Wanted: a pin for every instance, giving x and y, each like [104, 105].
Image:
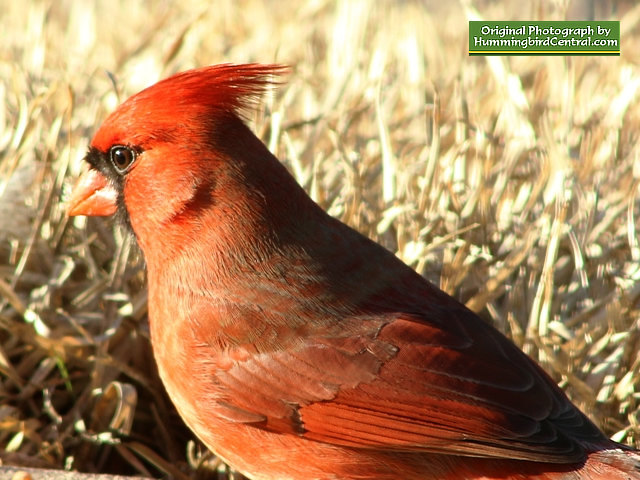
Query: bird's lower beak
[93, 196]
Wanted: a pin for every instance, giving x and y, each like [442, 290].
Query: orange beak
[93, 196]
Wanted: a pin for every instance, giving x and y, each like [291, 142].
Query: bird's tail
[607, 464]
[611, 465]
[614, 464]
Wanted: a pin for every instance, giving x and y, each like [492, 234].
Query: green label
[544, 38]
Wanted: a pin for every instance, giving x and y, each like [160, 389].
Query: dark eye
[122, 157]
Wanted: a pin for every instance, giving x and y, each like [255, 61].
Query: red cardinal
[293, 346]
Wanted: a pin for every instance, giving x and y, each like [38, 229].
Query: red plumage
[293, 346]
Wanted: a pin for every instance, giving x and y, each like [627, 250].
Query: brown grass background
[512, 182]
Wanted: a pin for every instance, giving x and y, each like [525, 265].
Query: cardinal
[293, 346]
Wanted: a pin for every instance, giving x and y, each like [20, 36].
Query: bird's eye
[122, 157]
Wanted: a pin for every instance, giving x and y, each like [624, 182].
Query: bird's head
[179, 149]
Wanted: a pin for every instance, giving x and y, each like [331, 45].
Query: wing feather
[410, 385]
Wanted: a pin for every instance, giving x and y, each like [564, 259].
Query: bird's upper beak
[93, 196]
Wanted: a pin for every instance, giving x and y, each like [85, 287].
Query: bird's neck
[240, 212]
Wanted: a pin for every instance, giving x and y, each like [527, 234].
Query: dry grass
[510, 182]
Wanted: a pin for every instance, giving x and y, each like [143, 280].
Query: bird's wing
[408, 384]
